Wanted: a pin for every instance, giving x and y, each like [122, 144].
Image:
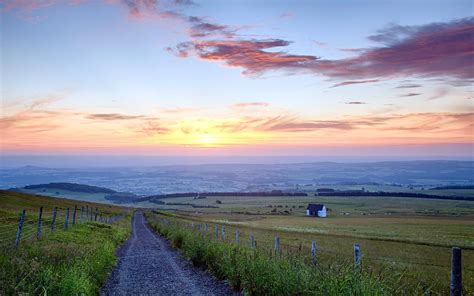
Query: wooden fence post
[277, 245]
[38, 230]
[216, 230]
[456, 272]
[87, 213]
[313, 251]
[53, 223]
[74, 216]
[357, 257]
[20, 227]
[237, 237]
[96, 213]
[66, 222]
[82, 214]
[223, 232]
[252, 241]
[206, 228]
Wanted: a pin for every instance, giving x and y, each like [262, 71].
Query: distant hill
[466, 187]
[79, 192]
[72, 187]
[121, 197]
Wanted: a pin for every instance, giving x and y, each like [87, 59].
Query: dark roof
[315, 207]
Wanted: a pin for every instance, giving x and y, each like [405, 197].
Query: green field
[405, 241]
[403, 237]
[62, 262]
[90, 197]
[257, 271]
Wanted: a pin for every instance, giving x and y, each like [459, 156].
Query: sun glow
[208, 140]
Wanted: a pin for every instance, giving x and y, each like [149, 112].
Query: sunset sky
[182, 77]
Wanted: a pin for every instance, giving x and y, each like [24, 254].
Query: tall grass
[256, 272]
[73, 262]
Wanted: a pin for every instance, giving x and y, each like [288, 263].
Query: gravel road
[149, 266]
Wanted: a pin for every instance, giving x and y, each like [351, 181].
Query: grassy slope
[413, 241]
[70, 262]
[90, 197]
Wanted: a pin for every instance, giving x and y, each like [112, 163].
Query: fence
[34, 226]
[310, 252]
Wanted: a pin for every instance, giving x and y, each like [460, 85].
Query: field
[90, 197]
[61, 262]
[403, 237]
[404, 241]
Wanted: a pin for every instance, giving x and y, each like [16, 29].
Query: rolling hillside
[67, 258]
[79, 192]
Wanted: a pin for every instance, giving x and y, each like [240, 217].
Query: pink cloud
[26, 5]
[443, 50]
[247, 54]
[432, 50]
[426, 123]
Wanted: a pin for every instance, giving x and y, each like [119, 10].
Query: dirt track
[149, 266]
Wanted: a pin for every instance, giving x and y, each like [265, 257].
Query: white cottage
[316, 210]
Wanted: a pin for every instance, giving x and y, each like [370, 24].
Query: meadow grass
[257, 272]
[72, 262]
[407, 250]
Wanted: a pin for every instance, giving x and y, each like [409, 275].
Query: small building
[316, 210]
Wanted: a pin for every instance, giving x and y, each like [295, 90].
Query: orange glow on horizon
[61, 130]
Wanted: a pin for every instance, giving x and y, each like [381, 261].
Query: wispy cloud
[345, 83]
[25, 5]
[439, 93]
[320, 44]
[309, 126]
[112, 116]
[410, 95]
[369, 125]
[287, 15]
[442, 49]
[154, 127]
[408, 86]
[245, 105]
[200, 27]
[355, 103]
[38, 126]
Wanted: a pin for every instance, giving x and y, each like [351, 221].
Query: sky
[237, 78]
